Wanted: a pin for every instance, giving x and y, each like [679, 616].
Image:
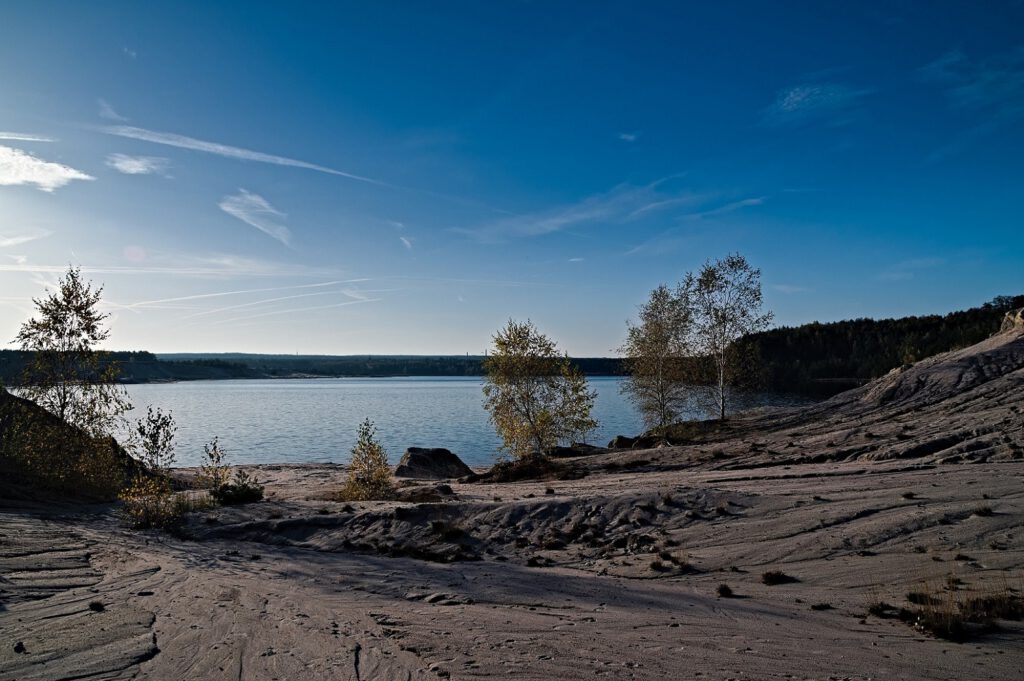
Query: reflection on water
[300, 420]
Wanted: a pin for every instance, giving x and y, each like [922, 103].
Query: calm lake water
[315, 420]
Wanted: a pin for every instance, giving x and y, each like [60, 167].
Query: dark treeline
[379, 365]
[136, 367]
[814, 358]
[827, 358]
[145, 367]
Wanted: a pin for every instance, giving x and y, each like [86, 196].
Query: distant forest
[816, 358]
[827, 358]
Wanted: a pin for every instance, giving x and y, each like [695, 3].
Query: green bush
[244, 489]
[369, 476]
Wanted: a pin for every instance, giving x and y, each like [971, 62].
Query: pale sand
[561, 585]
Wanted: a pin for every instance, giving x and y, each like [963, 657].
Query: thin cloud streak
[257, 303]
[622, 203]
[107, 111]
[256, 211]
[215, 269]
[220, 294]
[728, 208]
[24, 137]
[17, 240]
[193, 144]
[297, 309]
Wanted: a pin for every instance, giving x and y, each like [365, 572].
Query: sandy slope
[914, 479]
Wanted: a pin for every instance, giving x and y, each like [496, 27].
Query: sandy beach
[609, 567]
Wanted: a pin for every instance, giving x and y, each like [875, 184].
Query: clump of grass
[984, 511]
[908, 495]
[97, 606]
[921, 598]
[657, 565]
[821, 606]
[725, 591]
[948, 614]
[775, 577]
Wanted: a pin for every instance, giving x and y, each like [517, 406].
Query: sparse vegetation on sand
[369, 476]
[955, 614]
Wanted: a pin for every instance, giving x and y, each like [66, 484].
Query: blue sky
[405, 177]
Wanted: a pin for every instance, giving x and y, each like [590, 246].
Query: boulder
[422, 494]
[431, 464]
[1014, 320]
[621, 442]
[577, 449]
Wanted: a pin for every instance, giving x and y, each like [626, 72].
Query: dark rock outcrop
[1013, 320]
[576, 449]
[431, 464]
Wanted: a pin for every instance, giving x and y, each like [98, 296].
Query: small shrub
[657, 565]
[148, 502]
[149, 499]
[97, 606]
[984, 511]
[369, 476]
[821, 606]
[725, 591]
[244, 489]
[908, 495]
[774, 577]
[214, 473]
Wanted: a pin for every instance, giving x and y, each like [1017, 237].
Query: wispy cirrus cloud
[21, 168]
[25, 137]
[256, 211]
[996, 81]
[727, 208]
[990, 89]
[237, 292]
[406, 241]
[620, 204]
[18, 239]
[830, 103]
[228, 151]
[137, 165]
[908, 269]
[296, 310]
[629, 136]
[106, 110]
[200, 267]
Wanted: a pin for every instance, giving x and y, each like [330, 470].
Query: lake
[315, 420]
